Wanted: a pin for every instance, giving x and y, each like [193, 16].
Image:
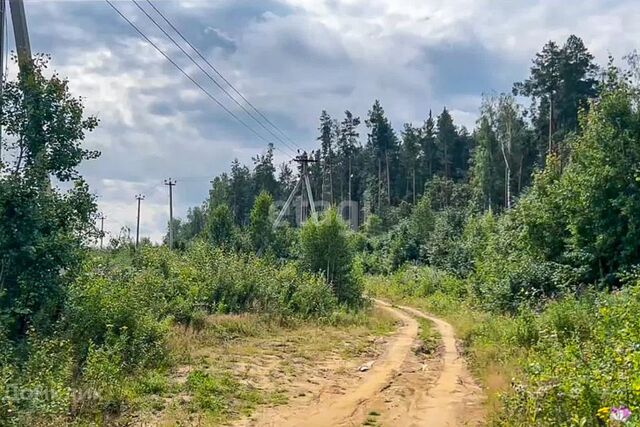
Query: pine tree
[220, 192]
[428, 142]
[264, 172]
[383, 148]
[241, 192]
[562, 80]
[260, 225]
[326, 138]
[411, 146]
[445, 141]
[460, 154]
[347, 148]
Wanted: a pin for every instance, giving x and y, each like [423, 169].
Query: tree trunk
[414, 185]
[520, 174]
[379, 183]
[446, 161]
[349, 179]
[507, 169]
[550, 125]
[324, 186]
[386, 154]
[331, 184]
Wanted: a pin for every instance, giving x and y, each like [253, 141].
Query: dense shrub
[326, 249]
[117, 314]
[586, 358]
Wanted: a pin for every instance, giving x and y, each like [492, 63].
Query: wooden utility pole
[101, 218]
[139, 198]
[170, 183]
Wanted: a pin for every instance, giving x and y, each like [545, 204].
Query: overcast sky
[290, 58]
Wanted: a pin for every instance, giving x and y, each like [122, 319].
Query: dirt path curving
[455, 399]
[401, 388]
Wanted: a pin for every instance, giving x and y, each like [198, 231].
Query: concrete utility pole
[303, 182]
[21, 34]
[19, 19]
[170, 183]
[101, 218]
[139, 198]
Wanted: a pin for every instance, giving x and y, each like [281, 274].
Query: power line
[249, 113]
[219, 74]
[213, 98]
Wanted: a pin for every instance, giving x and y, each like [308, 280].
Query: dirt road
[401, 387]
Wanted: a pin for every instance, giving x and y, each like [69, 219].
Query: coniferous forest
[523, 233]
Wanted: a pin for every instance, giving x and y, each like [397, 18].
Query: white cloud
[292, 58]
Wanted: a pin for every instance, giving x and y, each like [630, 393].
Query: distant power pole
[101, 218]
[170, 183]
[139, 198]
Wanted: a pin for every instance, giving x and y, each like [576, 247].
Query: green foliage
[219, 393]
[556, 366]
[585, 359]
[42, 229]
[325, 248]
[562, 81]
[220, 228]
[260, 223]
[111, 305]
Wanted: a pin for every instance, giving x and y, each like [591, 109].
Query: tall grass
[117, 320]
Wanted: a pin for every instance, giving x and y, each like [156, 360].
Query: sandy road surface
[399, 389]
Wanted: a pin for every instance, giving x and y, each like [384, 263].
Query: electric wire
[168, 58]
[279, 139]
[220, 74]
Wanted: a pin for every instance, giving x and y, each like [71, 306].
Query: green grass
[219, 394]
[429, 337]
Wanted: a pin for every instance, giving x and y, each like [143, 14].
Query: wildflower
[603, 413]
[620, 414]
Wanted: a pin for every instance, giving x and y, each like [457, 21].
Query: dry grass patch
[237, 363]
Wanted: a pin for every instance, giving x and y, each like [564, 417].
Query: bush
[326, 249]
[586, 358]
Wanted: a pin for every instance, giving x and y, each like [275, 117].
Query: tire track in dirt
[394, 389]
[455, 399]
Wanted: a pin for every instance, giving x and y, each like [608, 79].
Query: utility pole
[139, 198]
[101, 218]
[23, 46]
[170, 183]
[21, 34]
[303, 182]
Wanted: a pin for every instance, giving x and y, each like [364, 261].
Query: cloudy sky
[291, 59]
